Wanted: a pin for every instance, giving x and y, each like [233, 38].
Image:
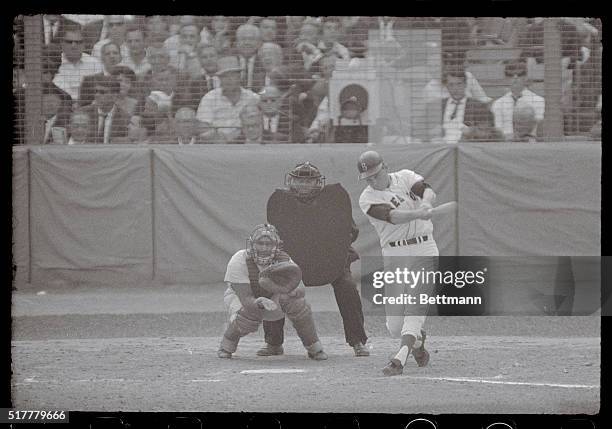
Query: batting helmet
[263, 244]
[369, 164]
[305, 181]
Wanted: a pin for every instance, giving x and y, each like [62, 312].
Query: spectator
[195, 86]
[116, 34]
[435, 90]
[53, 117]
[157, 29]
[248, 42]
[503, 107]
[251, 126]
[109, 123]
[75, 64]
[354, 35]
[276, 115]
[271, 55]
[221, 107]
[137, 58]
[182, 47]
[349, 128]
[79, 128]
[53, 28]
[456, 107]
[221, 34]
[156, 117]
[161, 77]
[111, 57]
[185, 127]
[329, 39]
[127, 99]
[50, 66]
[268, 28]
[137, 132]
[524, 122]
[480, 126]
[307, 43]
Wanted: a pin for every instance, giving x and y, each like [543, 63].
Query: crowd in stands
[241, 80]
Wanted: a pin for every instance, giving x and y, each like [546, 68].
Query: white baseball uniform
[237, 272]
[394, 244]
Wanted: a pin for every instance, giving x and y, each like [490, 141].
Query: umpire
[317, 228]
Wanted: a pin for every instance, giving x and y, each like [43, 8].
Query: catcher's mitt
[281, 277]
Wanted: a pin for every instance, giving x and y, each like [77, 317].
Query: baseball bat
[449, 207]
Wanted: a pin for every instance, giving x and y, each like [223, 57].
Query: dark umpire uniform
[317, 228]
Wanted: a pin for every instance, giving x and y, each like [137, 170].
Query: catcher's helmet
[263, 244]
[369, 164]
[305, 181]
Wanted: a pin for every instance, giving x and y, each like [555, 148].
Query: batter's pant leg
[349, 304]
[274, 332]
[300, 314]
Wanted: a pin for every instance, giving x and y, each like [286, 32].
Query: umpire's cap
[369, 164]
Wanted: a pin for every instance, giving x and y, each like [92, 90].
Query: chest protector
[317, 235]
[256, 288]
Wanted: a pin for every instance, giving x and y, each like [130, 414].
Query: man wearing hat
[398, 205]
[503, 107]
[219, 110]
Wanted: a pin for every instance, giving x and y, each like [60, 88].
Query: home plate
[272, 371]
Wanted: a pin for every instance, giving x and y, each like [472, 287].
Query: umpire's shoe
[320, 355]
[421, 356]
[270, 350]
[361, 350]
[224, 354]
[394, 367]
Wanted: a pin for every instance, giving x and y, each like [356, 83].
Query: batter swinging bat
[449, 207]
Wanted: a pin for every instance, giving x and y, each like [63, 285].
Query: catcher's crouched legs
[300, 314]
[243, 324]
[274, 335]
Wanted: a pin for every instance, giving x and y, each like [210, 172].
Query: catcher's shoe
[361, 350]
[224, 354]
[270, 350]
[394, 367]
[320, 355]
[421, 356]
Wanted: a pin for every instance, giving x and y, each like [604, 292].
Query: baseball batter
[248, 303]
[399, 207]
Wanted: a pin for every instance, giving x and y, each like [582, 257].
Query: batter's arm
[424, 191]
[386, 213]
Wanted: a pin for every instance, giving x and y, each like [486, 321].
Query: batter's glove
[281, 277]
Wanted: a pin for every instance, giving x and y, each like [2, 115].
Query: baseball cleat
[223, 354]
[421, 356]
[361, 350]
[270, 350]
[393, 368]
[320, 355]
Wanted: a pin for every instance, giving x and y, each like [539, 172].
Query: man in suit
[192, 88]
[108, 122]
[252, 131]
[54, 116]
[248, 42]
[276, 114]
[456, 107]
[111, 56]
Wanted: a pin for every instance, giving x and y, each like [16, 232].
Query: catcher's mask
[263, 244]
[305, 181]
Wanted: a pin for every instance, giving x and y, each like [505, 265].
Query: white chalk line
[508, 383]
[272, 371]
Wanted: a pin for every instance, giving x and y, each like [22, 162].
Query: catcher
[316, 225]
[264, 283]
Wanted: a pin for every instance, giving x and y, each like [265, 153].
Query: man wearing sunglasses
[75, 63]
[503, 108]
[108, 123]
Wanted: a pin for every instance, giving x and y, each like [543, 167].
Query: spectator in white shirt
[116, 34]
[219, 110]
[157, 29]
[137, 56]
[269, 30]
[75, 63]
[503, 107]
[111, 57]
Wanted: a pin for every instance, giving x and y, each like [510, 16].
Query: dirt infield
[166, 361]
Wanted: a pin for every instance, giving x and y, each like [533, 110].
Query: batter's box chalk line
[273, 371]
[499, 382]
